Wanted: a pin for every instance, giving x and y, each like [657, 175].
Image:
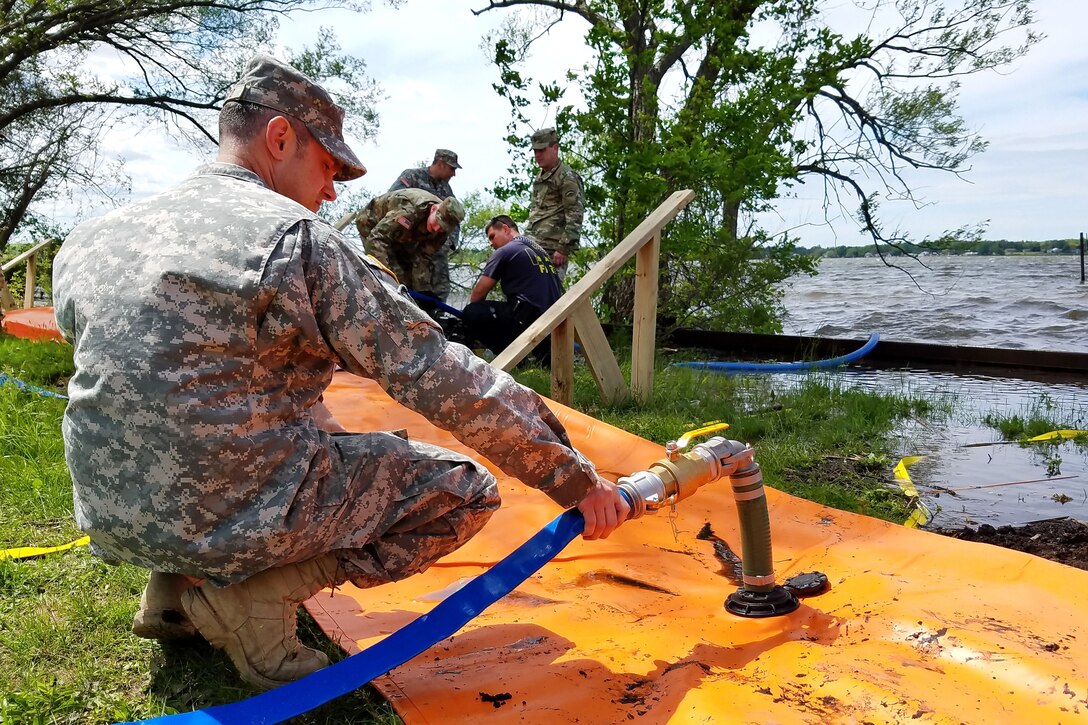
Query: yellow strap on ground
[921, 515]
[1063, 434]
[25, 552]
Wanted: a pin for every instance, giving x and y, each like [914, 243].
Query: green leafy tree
[480, 208]
[742, 99]
[73, 70]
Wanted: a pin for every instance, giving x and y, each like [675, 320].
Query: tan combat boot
[256, 621]
[160, 615]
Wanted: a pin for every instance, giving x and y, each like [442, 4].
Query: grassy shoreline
[66, 654]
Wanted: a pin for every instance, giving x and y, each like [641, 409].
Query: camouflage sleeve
[65, 317]
[380, 334]
[574, 203]
[390, 229]
[404, 181]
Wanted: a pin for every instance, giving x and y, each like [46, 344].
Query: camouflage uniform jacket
[400, 218]
[207, 321]
[420, 179]
[556, 209]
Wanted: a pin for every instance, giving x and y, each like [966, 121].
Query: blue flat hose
[731, 368]
[419, 635]
[5, 379]
[424, 297]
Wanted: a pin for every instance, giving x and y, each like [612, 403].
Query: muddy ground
[1061, 540]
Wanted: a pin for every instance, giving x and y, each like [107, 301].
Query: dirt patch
[1062, 540]
[857, 473]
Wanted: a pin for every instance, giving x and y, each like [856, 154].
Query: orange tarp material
[916, 627]
[32, 323]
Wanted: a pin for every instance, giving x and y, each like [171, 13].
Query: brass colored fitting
[679, 475]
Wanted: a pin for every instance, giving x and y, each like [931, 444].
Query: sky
[427, 57]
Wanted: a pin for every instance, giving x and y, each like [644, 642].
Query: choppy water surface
[1000, 483]
[1017, 302]
[1033, 303]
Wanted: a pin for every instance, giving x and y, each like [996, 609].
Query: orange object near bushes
[32, 323]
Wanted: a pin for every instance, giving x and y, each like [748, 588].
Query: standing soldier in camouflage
[405, 230]
[436, 179]
[558, 202]
[207, 322]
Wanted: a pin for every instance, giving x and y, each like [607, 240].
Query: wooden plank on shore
[7, 299]
[31, 280]
[644, 336]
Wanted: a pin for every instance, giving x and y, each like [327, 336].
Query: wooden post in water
[1082, 257]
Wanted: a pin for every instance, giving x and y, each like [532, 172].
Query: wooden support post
[598, 353]
[31, 279]
[7, 300]
[563, 363]
[644, 334]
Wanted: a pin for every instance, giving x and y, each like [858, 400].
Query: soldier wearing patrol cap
[435, 178]
[207, 322]
[558, 201]
[405, 230]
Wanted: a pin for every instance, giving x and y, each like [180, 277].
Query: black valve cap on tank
[809, 584]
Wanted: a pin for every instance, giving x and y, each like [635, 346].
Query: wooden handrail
[28, 253]
[342, 223]
[30, 256]
[576, 301]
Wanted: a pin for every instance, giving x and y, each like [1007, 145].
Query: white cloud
[438, 81]
[428, 58]
[1029, 182]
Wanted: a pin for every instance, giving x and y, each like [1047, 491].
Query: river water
[1023, 302]
[1034, 302]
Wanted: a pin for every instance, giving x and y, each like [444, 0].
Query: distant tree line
[998, 248]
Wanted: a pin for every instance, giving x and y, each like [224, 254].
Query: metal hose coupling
[679, 475]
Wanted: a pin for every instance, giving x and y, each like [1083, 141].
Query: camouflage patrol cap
[450, 213]
[448, 156]
[270, 83]
[544, 138]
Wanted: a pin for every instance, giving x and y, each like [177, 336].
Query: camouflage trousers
[440, 272]
[394, 506]
[415, 268]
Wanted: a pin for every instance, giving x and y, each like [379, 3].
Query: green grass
[1042, 415]
[817, 439]
[66, 653]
